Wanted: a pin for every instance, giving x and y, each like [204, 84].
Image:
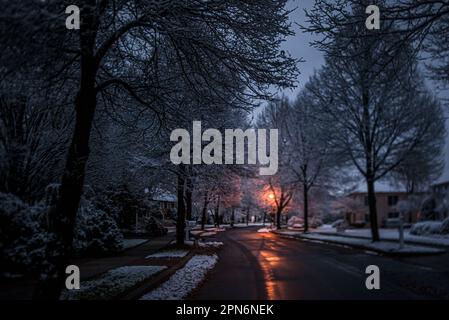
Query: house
[164, 201]
[387, 197]
[441, 187]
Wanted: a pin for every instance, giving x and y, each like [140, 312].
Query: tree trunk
[63, 215]
[278, 218]
[306, 209]
[372, 210]
[180, 221]
[189, 198]
[232, 217]
[217, 221]
[203, 215]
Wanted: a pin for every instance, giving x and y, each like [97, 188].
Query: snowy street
[254, 265]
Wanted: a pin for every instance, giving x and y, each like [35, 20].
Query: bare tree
[374, 105]
[281, 186]
[116, 38]
[310, 161]
[425, 24]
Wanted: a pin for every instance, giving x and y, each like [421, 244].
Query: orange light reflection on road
[268, 261]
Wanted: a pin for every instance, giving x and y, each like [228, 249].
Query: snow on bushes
[430, 228]
[23, 240]
[298, 222]
[295, 222]
[96, 232]
[444, 229]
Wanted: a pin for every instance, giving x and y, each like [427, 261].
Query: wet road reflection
[256, 265]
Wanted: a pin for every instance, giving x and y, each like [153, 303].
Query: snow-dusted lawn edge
[112, 283]
[382, 247]
[184, 280]
[390, 234]
[168, 254]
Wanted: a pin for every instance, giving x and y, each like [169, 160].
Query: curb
[362, 247]
[411, 242]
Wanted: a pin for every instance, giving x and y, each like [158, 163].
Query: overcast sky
[298, 46]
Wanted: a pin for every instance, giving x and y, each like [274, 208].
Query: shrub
[426, 228]
[23, 238]
[96, 232]
[444, 229]
[154, 227]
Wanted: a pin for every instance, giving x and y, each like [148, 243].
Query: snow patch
[215, 244]
[207, 244]
[185, 280]
[427, 228]
[168, 254]
[388, 234]
[112, 283]
[384, 246]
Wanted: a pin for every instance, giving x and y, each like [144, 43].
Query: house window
[392, 200]
[393, 215]
[366, 201]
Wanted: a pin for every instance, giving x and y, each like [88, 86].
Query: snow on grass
[389, 234]
[426, 228]
[185, 280]
[215, 244]
[168, 254]
[205, 244]
[383, 246]
[208, 234]
[251, 224]
[131, 243]
[112, 283]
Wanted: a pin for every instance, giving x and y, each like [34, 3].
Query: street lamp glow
[271, 196]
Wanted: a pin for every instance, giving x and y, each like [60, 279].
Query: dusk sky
[299, 47]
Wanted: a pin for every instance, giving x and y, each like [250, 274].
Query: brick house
[387, 198]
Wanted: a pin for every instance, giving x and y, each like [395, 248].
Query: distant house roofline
[162, 195]
[442, 183]
[380, 187]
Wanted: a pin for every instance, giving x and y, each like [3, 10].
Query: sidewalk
[385, 247]
[388, 235]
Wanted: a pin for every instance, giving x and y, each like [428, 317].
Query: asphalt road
[256, 265]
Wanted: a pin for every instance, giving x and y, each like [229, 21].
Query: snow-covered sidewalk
[388, 234]
[185, 280]
[383, 247]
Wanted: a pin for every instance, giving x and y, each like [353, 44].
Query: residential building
[387, 198]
